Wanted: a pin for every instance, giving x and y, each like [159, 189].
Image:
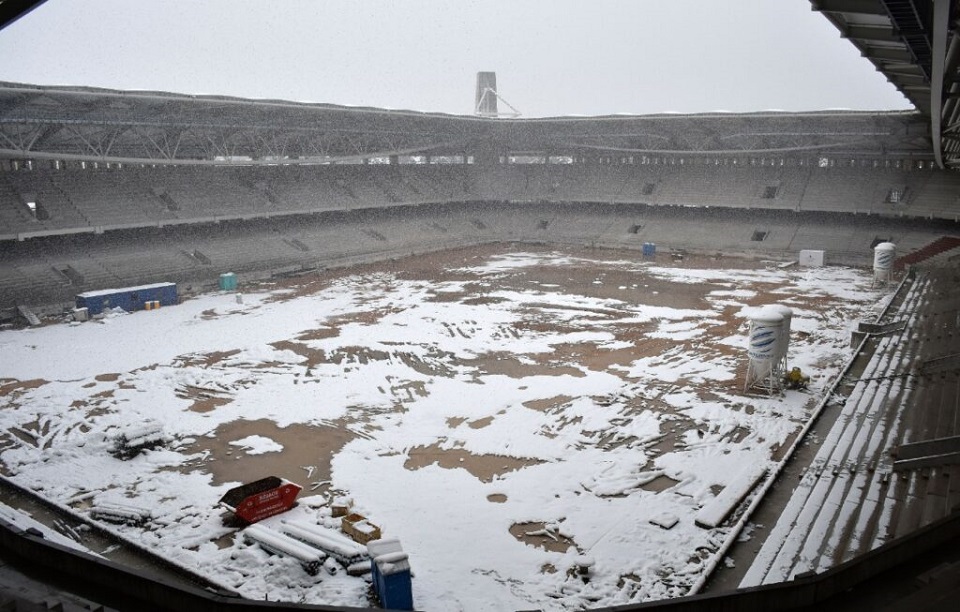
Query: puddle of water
[481, 423]
[506, 364]
[548, 404]
[484, 467]
[204, 400]
[15, 387]
[537, 534]
[319, 334]
[660, 483]
[208, 404]
[673, 425]
[303, 445]
[447, 296]
[483, 301]
[313, 356]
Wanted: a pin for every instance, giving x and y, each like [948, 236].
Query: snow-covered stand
[279, 544]
[262, 498]
[390, 570]
[349, 554]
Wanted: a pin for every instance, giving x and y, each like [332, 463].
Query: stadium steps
[93, 273]
[368, 192]
[392, 188]
[416, 192]
[877, 504]
[581, 229]
[14, 217]
[343, 190]
[846, 190]
[429, 188]
[32, 319]
[12, 280]
[588, 187]
[297, 245]
[40, 264]
[851, 466]
[839, 493]
[825, 238]
[932, 196]
[31, 284]
[938, 246]
[307, 196]
[148, 264]
[101, 197]
[620, 188]
[21, 593]
[62, 211]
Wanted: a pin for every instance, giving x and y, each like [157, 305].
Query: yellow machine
[795, 379]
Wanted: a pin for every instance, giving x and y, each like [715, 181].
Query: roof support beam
[871, 33]
[22, 154]
[910, 80]
[888, 54]
[904, 68]
[941, 19]
[862, 7]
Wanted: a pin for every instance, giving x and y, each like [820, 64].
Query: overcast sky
[552, 57]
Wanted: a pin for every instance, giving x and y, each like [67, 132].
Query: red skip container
[257, 500]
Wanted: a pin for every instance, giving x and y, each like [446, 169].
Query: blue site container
[649, 249]
[390, 572]
[129, 298]
[228, 281]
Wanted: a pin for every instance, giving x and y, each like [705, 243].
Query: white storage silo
[763, 349]
[784, 344]
[883, 256]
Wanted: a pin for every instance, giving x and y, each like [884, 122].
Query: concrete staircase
[938, 246]
[27, 314]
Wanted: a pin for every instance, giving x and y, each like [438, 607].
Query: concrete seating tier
[97, 200]
[203, 250]
[851, 500]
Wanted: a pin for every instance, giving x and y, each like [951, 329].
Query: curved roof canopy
[916, 45]
[41, 122]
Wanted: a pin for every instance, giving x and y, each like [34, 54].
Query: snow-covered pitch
[505, 414]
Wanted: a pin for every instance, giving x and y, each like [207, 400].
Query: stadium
[518, 346]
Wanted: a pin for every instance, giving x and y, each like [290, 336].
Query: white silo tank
[784, 344]
[883, 256]
[763, 349]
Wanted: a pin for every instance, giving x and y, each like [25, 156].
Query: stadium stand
[854, 498]
[196, 253]
[872, 513]
[76, 201]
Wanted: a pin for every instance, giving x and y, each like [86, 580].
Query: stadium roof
[916, 45]
[44, 122]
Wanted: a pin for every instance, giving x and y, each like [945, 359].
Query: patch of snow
[257, 445]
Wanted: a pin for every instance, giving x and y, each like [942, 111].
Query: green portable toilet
[228, 281]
